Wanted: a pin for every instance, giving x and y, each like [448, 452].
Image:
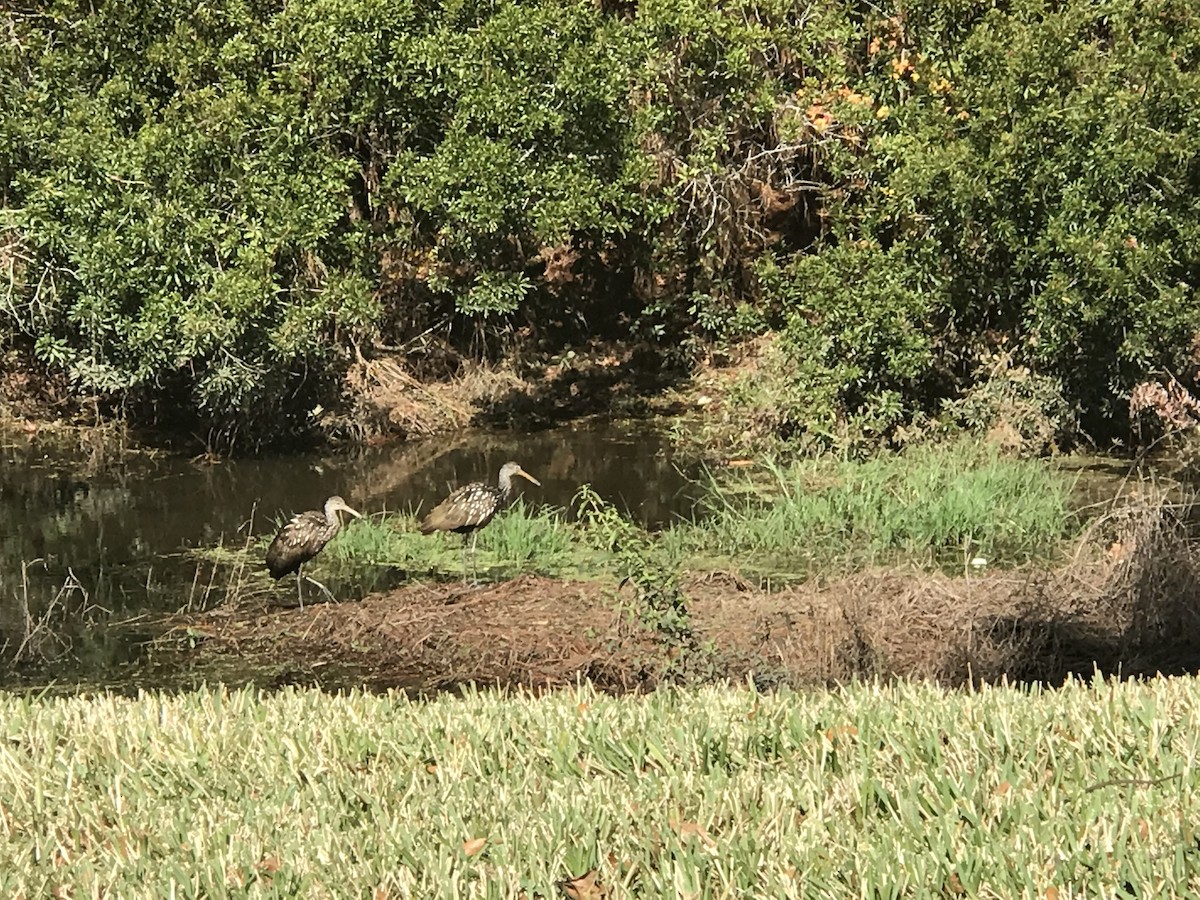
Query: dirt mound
[1124, 604]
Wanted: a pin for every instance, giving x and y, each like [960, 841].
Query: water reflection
[119, 527]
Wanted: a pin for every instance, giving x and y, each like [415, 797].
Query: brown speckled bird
[302, 538]
[472, 506]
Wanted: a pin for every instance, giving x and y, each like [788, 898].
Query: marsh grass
[942, 506]
[367, 552]
[869, 790]
[521, 539]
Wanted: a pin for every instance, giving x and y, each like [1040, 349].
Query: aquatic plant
[948, 504]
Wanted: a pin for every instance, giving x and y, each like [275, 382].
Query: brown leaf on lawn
[954, 885]
[381, 893]
[1002, 788]
[1143, 829]
[1051, 893]
[838, 731]
[473, 846]
[269, 864]
[689, 829]
[586, 887]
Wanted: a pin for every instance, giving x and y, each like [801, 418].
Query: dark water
[89, 536]
[94, 543]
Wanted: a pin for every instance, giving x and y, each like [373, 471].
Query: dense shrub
[211, 208]
[1031, 178]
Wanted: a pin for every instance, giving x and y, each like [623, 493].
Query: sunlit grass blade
[906, 788]
[940, 505]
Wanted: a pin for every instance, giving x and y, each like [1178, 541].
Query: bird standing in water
[302, 538]
[472, 506]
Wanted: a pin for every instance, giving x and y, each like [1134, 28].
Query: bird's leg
[464, 557]
[300, 587]
[322, 587]
[474, 560]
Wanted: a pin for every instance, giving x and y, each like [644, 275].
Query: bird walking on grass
[303, 537]
[472, 506]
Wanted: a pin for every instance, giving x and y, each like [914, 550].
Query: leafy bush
[222, 201]
[1030, 174]
[207, 210]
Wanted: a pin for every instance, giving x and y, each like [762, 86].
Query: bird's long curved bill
[525, 474]
[353, 512]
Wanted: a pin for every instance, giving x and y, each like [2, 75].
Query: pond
[96, 544]
[88, 535]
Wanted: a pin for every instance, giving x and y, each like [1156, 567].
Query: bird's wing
[470, 505]
[297, 542]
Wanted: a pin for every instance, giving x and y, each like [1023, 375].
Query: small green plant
[660, 605]
[526, 537]
[934, 504]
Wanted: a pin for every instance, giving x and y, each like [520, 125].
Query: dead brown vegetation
[389, 397]
[1124, 604]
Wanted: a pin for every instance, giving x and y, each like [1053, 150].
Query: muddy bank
[1126, 606]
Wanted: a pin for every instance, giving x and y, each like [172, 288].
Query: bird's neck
[331, 515]
[505, 484]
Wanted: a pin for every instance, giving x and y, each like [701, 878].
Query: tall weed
[935, 505]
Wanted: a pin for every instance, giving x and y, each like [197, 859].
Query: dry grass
[1122, 604]
[385, 394]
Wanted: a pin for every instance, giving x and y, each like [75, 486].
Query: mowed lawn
[868, 791]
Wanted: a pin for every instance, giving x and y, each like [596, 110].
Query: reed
[938, 506]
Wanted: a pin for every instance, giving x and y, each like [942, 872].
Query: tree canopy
[213, 207]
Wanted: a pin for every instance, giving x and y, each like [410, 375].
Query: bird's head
[509, 469]
[336, 504]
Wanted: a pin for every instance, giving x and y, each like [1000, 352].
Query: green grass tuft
[938, 505]
[519, 540]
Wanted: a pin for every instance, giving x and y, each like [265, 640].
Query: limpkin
[472, 506]
[303, 537]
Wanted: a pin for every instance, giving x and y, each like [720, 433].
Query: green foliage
[640, 561]
[1020, 407]
[1029, 174]
[889, 790]
[520, 539]
[863, 333]
[211, 208]
[929, 504]
[212, 189]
